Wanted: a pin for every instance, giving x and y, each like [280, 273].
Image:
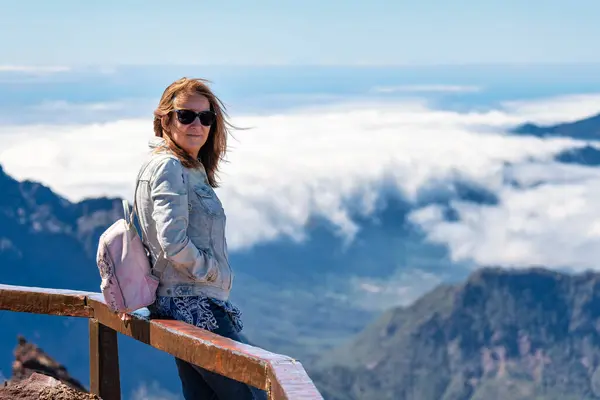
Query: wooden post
[104, 362]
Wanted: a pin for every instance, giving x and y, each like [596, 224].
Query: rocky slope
[42, 387]
[36, 375]
[504, 334]
[30, 359]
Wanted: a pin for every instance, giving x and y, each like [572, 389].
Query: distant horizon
[59, 67]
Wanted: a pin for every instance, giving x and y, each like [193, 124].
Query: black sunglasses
[186, 117]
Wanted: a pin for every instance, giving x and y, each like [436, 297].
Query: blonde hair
[213, 151]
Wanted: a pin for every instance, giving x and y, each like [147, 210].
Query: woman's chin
[195, 141]
[193, 146]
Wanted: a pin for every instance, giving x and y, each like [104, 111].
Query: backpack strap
[134, 210]
[161, 261]
[137, 184]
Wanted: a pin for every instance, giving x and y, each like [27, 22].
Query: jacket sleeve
[171, 215]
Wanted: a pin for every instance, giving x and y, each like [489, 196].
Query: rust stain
[245, 363]
[66, 303]
[224, 356]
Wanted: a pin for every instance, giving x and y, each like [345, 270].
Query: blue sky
[341, 32]
[312, 130]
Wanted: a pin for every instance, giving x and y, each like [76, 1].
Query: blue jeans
[200, 384]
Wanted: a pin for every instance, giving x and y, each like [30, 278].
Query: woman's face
[190, 137]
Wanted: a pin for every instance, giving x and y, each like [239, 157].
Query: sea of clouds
[309, 161]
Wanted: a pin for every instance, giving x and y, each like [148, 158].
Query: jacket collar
[157, 142]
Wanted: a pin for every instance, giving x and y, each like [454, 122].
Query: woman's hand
[124, 316]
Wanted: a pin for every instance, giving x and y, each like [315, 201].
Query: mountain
[45, 238]
[298, 298]
[587, 129]
[30, 359]
[584, 129]
[503, 334]
[586, 155]
[47, 241]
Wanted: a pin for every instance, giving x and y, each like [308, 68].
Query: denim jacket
[182, 223]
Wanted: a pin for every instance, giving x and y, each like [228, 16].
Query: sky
[415, 127]
[63, 33]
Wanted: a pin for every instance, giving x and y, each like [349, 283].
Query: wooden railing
[282, 377]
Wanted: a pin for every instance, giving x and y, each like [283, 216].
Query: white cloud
[293, 165]
[153, 392]
[553, 224]
[441, 88]
[400, 289]
[59, 112]
[64, 106]
[555, 110]
[33, 69]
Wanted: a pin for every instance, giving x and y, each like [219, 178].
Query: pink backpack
[127, 279]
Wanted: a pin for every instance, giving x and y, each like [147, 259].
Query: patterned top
[195, 310]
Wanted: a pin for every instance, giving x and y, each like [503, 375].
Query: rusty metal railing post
[104, 362]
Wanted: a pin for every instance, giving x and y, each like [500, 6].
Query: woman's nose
[196, 122]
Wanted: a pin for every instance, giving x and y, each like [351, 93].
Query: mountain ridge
[583, 129]
[503, 333]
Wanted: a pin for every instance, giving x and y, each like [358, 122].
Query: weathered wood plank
[224, 356]
[288, 380]
[244, 363]
[105, 378]
[283, 377]
[67, 303]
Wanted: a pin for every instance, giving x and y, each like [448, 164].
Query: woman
[183, 226]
